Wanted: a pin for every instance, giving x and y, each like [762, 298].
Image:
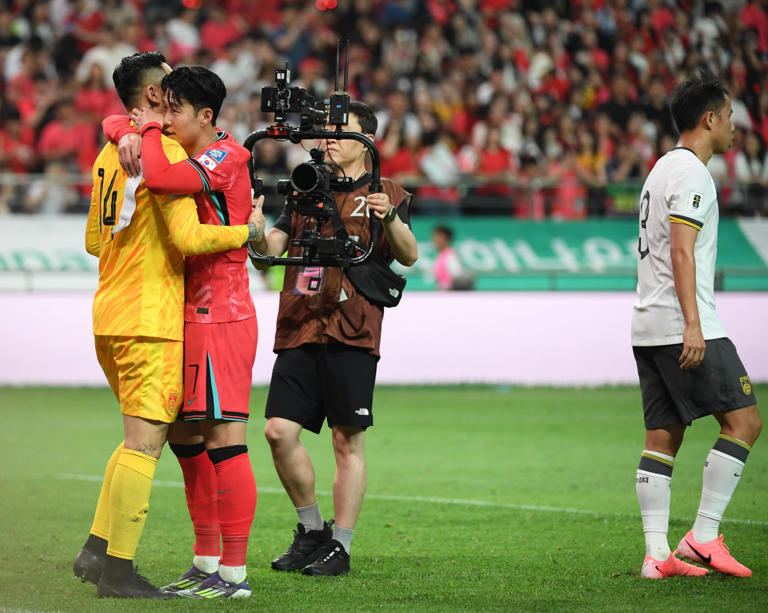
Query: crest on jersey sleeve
[746, 386]
[212, 158]
[694, 200]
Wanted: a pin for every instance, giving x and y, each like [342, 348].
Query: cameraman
[327, 344]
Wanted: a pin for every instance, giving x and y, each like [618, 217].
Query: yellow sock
[100, 526]
[129, 502]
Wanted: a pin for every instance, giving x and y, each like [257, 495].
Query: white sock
[232, 574]
[654, 476]
[344, 536]
[722, 473]
[310, 517]
[207, 564]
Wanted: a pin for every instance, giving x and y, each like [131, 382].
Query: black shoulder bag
[376, 281]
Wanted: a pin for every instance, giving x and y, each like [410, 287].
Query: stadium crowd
[512, 107]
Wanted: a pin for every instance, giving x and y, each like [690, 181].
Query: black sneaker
[88, 566]
[132, 586]
[304, 548]
[332, 560]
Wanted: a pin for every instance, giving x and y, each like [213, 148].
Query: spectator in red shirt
[760, 117]
[17, 142]
[496, 168]
[220, 29]
[88, 24]
[568, 195]
[62, 138]
[754, 15]
[661, 17]
[94, 100]
[495, 163]
[399, 154]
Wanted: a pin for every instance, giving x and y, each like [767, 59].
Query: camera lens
[305, 177]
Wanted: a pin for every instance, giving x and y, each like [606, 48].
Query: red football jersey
[217, 288]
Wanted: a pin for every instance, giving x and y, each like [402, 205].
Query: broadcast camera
[310, 189]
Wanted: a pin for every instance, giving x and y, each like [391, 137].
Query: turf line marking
[7, 610]
[430, 500]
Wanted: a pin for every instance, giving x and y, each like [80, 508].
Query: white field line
[7, 610]
[439, 501]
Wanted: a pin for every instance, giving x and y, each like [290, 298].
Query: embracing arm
[162, 177]
[274, 242]
[190, 236]
[118, 130]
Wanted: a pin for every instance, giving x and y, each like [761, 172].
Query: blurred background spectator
[485, 107]
[448, 270]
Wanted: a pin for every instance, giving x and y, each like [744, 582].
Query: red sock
[237, 503]
[200, 488]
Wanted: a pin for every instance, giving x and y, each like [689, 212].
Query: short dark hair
[698, 94]
[367, 118]
[130, 76]
[196, 85]
[445, 231]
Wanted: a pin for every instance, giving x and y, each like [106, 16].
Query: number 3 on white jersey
[362, 208]
[645, 211]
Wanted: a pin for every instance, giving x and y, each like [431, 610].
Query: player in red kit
[220, 329]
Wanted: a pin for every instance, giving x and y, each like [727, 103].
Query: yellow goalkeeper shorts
[146, 374]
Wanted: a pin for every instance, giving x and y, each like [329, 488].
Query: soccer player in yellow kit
[138, 321]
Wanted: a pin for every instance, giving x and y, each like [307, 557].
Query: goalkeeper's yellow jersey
[140, 239]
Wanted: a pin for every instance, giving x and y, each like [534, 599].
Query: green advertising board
[599, 254]
[48, 252]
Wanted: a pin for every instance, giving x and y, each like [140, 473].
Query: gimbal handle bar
[294, 135]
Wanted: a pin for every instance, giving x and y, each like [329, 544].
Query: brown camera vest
[322, 305]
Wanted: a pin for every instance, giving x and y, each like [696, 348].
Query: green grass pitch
[479, 499]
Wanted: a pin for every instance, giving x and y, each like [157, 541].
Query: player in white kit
[688, 368]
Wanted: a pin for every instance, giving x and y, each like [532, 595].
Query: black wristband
[390, 216]
[151, 126]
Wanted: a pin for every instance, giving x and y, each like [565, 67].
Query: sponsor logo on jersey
[217, 154]
[694, 200]
[745, 385]
[209, 163]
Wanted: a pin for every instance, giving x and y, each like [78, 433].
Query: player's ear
[709, 117]
[154, 94]
[205, 116]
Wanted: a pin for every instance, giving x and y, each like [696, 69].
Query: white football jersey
[679, 189]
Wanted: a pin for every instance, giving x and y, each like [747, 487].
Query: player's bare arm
[272, 242]
[401, 239]
[118, 129]
[129, 154]
[682, 244]
[129, 150]
[141, 117]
